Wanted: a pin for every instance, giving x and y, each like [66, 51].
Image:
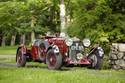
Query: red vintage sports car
[58, 51]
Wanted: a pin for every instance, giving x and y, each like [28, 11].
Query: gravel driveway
[5, 63]
[7, 56]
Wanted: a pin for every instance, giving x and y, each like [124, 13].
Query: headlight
[86, 42]
[69, 42]
[79, 56]
[62, 35]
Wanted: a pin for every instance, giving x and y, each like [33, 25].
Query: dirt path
[7, 56]
[4, 64]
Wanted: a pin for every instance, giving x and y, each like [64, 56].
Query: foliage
[99, 20]
[17, 16]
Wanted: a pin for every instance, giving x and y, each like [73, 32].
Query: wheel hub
[51, 59]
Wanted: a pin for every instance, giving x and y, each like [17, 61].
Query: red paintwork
[60, 42]
[34, 52]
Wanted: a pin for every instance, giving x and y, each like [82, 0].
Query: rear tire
[20, 59]
[53, 60]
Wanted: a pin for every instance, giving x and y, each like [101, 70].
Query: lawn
[38, 73]
[8, 50]
[66, 75]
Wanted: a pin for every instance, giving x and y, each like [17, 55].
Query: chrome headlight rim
[69, 42]
[63, 35]
[86, 42]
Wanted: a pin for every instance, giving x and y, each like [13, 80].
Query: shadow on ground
[29, 65]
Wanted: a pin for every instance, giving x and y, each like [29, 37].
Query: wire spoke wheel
[53, 60]
[94, 60]
[20, 59]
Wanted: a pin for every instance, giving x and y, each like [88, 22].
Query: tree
[24, 16]
[98, 20]
[62, 15]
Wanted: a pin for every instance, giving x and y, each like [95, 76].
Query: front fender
[55, 48]
[98, 51]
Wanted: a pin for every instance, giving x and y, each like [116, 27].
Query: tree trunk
[3, 41]
[32, 36]
[32, 27]
[22, 39]
[13, 38]
[62, 16]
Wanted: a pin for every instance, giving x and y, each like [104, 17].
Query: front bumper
[83, 61]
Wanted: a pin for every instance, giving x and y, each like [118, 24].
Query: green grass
[8, 50]
[71, 75]
[39, 73]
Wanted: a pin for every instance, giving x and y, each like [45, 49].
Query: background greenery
[100, 20]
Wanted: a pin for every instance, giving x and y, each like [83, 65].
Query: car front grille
[76, 51]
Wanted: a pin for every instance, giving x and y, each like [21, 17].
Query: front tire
[53, 60]
[20, 59]
[96, 61]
